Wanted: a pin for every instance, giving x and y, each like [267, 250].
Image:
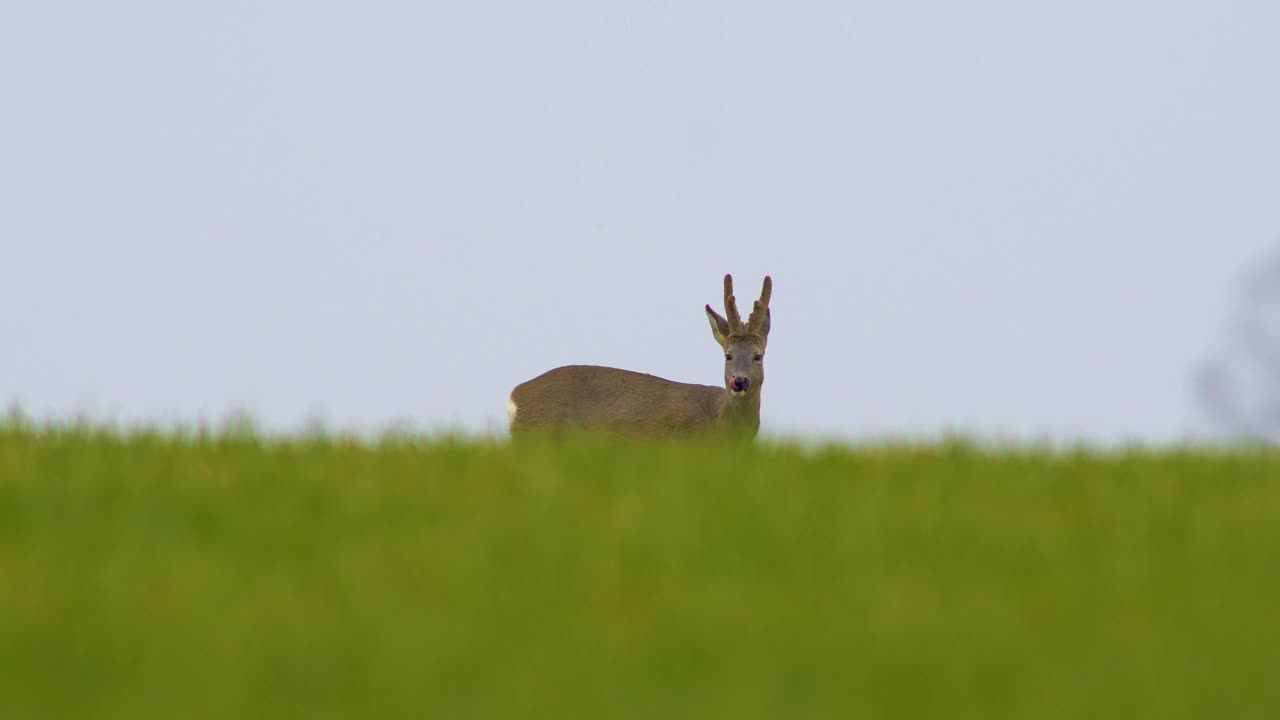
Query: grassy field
[147, 576]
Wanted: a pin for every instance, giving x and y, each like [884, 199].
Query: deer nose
[741, 383]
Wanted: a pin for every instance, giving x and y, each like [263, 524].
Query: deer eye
[758, 358]
[727, 356]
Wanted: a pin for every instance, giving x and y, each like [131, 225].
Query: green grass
[148, 576]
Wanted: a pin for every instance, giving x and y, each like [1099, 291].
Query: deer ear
[764, 326]
[719, 326]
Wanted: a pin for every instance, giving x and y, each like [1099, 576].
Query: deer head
[743, 344]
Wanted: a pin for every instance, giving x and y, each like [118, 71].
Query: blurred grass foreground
[165, 576]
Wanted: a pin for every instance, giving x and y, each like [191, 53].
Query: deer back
[601, 398]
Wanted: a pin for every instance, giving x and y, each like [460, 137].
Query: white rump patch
[511, 409]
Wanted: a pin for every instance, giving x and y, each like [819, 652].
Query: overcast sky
[1006, 218]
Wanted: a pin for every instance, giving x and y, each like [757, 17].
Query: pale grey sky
[1002, 217]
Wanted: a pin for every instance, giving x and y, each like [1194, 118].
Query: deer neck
[741, 412]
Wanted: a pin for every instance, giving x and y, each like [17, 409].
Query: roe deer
[630, 403]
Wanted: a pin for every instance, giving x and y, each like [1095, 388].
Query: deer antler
[755, 323]
[731, 306]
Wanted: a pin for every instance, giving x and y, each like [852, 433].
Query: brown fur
[630, 403]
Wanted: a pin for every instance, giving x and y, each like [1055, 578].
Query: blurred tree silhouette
[1239, 387]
